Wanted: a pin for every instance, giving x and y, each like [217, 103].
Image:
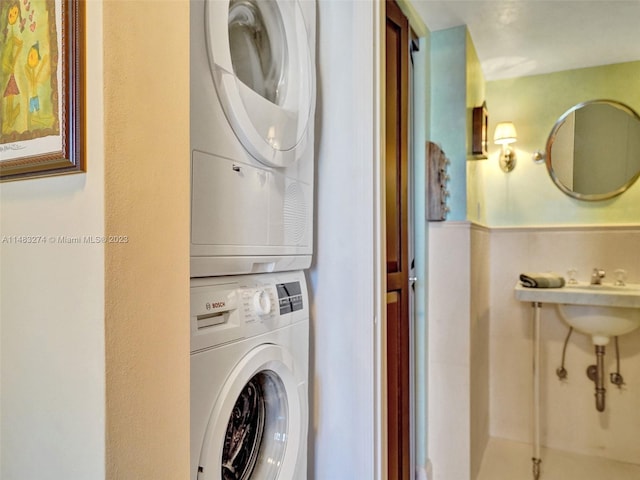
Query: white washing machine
[252, 127]
[249, 376]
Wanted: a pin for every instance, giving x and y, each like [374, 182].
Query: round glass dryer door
[255, 426]
[262, 67]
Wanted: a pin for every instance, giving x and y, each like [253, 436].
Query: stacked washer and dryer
[252, 106]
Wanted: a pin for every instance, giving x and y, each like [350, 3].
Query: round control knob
[261, 302]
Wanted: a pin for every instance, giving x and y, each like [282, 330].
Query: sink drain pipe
[536, 390]
[596, 374]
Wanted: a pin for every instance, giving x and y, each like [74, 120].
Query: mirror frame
[554, 133]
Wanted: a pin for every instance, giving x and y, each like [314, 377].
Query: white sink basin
[602, 311]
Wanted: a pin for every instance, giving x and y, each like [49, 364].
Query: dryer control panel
[226, 309]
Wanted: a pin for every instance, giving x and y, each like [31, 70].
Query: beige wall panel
[146, 62]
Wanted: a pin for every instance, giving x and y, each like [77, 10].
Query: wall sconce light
[505, 135]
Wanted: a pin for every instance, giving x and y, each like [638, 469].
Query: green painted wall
[527, 196]
[449, 110]
[457, 86]
[475, 97]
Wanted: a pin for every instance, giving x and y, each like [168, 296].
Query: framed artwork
[42, 82]
[480, 127]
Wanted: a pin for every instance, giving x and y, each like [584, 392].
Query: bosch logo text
[215, 305]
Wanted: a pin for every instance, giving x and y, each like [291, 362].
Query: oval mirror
[593, 151]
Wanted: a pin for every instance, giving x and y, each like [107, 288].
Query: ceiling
[530, 37]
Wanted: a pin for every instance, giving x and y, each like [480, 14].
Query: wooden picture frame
[42, 119]
[480, 129]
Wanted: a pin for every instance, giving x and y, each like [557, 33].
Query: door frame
[419, 116]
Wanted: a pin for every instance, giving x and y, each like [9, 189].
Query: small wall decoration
[42, 82]
[480, 128]
[437, 179]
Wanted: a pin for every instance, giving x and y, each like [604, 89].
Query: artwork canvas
[41, 104]
[29, 65]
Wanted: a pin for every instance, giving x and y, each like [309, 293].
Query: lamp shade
[505, 133]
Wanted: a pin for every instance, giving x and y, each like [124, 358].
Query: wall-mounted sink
[602, 311]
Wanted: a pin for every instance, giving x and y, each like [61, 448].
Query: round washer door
[256, 423]
[262, 66]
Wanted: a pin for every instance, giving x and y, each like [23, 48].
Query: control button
[261, 302]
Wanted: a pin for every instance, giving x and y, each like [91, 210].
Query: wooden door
[397, 237]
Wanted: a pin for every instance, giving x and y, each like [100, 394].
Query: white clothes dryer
[249, 377]
[252, 128]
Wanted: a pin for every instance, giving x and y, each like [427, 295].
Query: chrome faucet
[597, 276]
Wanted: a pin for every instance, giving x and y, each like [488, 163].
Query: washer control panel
[261, 302]
[270, 301]
[289, 297]
[258, 303]
[225, 309]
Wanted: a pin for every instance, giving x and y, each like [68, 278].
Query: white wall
[449, 347]
[343, 408]
[458, 347]
[479, 326]
[52, 311]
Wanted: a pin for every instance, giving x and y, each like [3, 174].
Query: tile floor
[508, 460]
